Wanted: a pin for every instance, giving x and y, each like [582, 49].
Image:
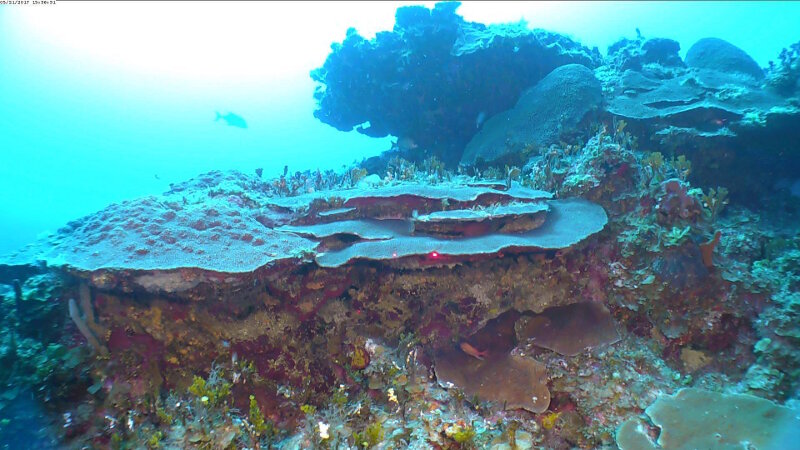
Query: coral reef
[569, 330]
[410, 82]
[509, 348]
[82, 321]
[642, 54]
[547, 113]
[784, 76]
[625, 274]
[676, 204]
[722, 56]
[715, 108]
[569, 223]
[512, 381]
[694, 418]
[219, 227]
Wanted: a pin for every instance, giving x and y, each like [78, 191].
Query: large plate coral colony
[561, 250]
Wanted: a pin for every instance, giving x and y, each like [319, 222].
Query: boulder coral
[410, 82]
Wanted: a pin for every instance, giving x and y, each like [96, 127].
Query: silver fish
[232, 120]
[480, 119]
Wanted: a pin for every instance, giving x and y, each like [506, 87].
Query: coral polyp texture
[218, 227]
[694, 418]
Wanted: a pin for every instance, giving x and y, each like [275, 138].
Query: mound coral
[410, 82]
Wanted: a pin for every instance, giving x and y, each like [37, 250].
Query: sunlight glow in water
[242, 41]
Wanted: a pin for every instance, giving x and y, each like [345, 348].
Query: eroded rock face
[543, 115]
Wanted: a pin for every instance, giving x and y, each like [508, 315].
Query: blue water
[93, 111]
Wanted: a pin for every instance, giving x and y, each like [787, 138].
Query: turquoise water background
[102, 102]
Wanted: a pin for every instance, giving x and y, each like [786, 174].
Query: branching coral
[715, 201]
[682, 166]
[784, 76]
[653, 166]
[675, 236]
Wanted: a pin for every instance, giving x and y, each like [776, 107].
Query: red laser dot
[434, 254]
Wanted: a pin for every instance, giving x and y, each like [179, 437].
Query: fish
[467, 348]
[233, 120]
[406, 144]
[480, 119]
